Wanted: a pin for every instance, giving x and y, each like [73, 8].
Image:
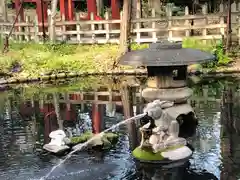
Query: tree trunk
[136, 6]
[57, 110]
[125, 26]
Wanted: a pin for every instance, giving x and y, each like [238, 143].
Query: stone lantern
[167, 64]
[167, 93]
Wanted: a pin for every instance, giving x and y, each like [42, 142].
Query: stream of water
[91, 139]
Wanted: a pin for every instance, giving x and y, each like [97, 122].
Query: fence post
[52, 29]
[3, 10]
[107, 27]
[64, 37]
[187, 22]
[138, 24]
[154, 33]
[93, 28]
[20, 30]
[222, 23]
[27, 29]
[221, 8]
[222, 28]
[36, 29]
[169, 19]
[204, 31]
[78, 27]
[234, 10]
[238, 29]
[1, 32]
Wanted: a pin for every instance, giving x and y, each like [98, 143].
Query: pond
[27, 116]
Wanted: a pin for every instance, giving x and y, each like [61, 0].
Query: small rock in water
[177, 154]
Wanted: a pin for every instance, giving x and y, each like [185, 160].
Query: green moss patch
[148, 155]
[82, 138]
[108, 139]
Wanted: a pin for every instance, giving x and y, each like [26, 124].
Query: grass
[212, 46]
[38, 59]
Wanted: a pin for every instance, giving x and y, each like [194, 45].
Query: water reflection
[27, 117]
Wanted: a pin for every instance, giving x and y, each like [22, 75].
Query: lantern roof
[165, 54]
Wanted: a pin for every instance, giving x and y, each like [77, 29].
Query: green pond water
[28, 115]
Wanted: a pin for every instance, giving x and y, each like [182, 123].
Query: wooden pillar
[41, 10]
[96, 118]
[115, 9]
[70, 10]
[17, 6]
[64, 8]
[47, 123]
[227, 132]
[92, 8]
[125, 27]
[127, 93]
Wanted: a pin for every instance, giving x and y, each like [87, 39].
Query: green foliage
[213, 46]
[38, 59]
[136, 46]
[9, 1]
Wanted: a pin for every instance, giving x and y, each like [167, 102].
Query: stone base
[168, 156]
[55, 149]
[177, 95]
[177, 154]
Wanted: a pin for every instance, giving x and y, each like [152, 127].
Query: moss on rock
[107, 140]
[148, 155]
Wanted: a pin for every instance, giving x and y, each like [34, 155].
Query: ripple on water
[20, 162]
